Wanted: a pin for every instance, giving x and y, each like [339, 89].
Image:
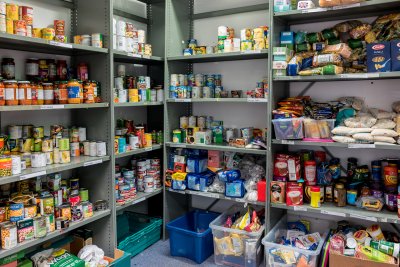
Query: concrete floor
[158, 256]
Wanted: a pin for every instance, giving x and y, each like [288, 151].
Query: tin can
[27, 158]
[46, 205]
[97, 40]
[3, 23]
[62, 223]
[74, 135]
[75, 152]
[101, 149]
[160, 95]
[12, 11]
[64, 211]
[199, 80]
[84, 194]
[177, 136]
[49, 157]
[86, 148]
[93, 148]
[63, 144]
[47, 145]
[19, 27]
[37, 145]
[15, 131]
[183, 122]
[201, 122]
[16, 212]
[65, 157]
[48, 34]
[38, 132]
[149, 140]
[30, 211]
[59, 27]
[38, 159]
[3, 214]
[174, 80]
[134, 141]
[77, 213]
[26, 14]
[56, 156]
[207, 92]
[37, 32]
[16, 164]
[58, 198]
[25, 230]
[193, 121]
[39, 225]
[87, 209]
[196, 92]
[50, 223]
[3, 8]
[8, 236]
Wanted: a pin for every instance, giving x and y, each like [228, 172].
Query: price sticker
[183, 100]
[134, 55]
[346, 6]
[313, 10]
[361, 146]
[213, 195]
[300, 208]
[179, 145]
[31, 175]
[51, 106]
[60, 44]
[257, 100]
[93, 162]
[251, 52]
[333, 213]
[287, 142]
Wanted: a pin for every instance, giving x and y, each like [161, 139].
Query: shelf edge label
[51, 106]
[299, 208]
[346, 6]
[334, 213]
[60, 44]
[93, 162]
[259, 100]
[178, 145]
[368, 218]
[134, 55]
[313, 10]
[287, 142]
[183, 100]
[251, 51]
[361, 146]
[31, 175]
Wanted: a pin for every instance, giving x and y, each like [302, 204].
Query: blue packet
[229, 176]
[196, 165]
[235, 189]
[193, 181]
[178, 185]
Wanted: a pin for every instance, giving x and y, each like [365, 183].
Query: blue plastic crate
[190, 235]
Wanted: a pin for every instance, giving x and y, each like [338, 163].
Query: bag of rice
[384, 139]
[343, 139]
[384, 132]
[384, 124]
[365, 137]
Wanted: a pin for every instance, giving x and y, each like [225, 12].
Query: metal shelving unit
[138, 104]
[58, 233]
[280, 88]
[138, 151]
[124, 57]
[180, 24]
[58, 106]
[140, 197]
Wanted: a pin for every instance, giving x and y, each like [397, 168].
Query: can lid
[351, 243]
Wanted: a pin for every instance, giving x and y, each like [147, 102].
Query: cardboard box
[282, 5]
[378, 57]
[287, 38]
[279, 65]
[121, 258]
[341, 260]
[282, 53]
[279, 73]
[395, 54]
[215, 159]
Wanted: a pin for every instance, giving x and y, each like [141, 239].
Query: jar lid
[10, 81]
[315, 189]
[47, 84]
[339, 186]
[27, 82]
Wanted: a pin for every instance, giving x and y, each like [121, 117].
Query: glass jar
[48, 91]
[8, 68]
[80, 92]
[88, 92]
[2, 97]
[73, 89]
[340, 193]
[62, 69]
[51, 63]
[83, 73]
[32, 68]
[24, 93]
[34, 92]
[96, 91]
[11, 92]
[40, 94]
[63, 92]
[43, 70]
[56, 93]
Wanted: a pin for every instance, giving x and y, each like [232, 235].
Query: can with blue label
[210, 81]
[16, 212]
[172, 92]
[191, 80]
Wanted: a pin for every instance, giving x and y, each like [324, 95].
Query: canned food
[25, 145]
[38, 160]
[93, 148]
[97, 40]
[77, 213]
[25, 230]
[75, 151]
[38, 132]
[177, 136]
[63, 144]
[101, 149]
[87, 208]
[8, 236]
[48, 34]
[16, 164]
[39, 225]
[47, 145]
[193, 121]
[37, 145]
[49, 158]
[59, 27]
[74, 200]
[62, 223]
[84, 194]
[183, 122]
[64, 211]
[56, 156]
[50, 223]
[16, 212]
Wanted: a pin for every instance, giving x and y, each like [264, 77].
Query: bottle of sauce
[11, 92]
[32, 68]
[62, 70]
[63, 92]
[2, 92]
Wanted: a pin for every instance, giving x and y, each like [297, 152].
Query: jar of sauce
[40, 94]
[96, 91]
[43, 70]
[80, 91]
[8, 68]
[56, 93]
[61, 70]
[2, 97]
[11, 92]
[73, 89]
[52, 69]
[62, 92]
[48, 90]
[34, 91]
[340, 194]
[32, 68]
[88, 92]
[24, 93]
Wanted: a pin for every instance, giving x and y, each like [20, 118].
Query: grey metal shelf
[345, 212]
[364, 9]
[74, 225]
[23, 43]
[57, 106]
[218, 100]
[216, 196]
[140, 197]
[125, 57]
[223, 147]
[340, 77]
[138, 104]
[231, 11]
[76, 162]
[131, 16]
[61, 3]
[334, 144]
[231, 56]
[138, 151]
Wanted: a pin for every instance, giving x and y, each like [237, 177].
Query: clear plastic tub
[247, 245]
[288, 128]
[318, 129]
[317, 225]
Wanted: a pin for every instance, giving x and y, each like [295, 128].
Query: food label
[10, 94]
[48, 94]
[40, 95]
[322, 59]
[73, 91]
[334, 213]
[21, 94]
[361, 146]
[94, 162]
[51, 106]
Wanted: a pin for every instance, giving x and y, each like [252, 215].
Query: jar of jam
[80, 92]
[61, 69]
[88, 92]
[2, 97]
[40, 94]
[8, 68]
[52, 69]
[62, 92]
[24, 93]
[32, 68]
[73, 89]
[11, 92]
[43, 70]
[48, 90]
[56, 93]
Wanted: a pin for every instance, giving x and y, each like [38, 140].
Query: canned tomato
[74, 200]
[26, 14]
[8, 236]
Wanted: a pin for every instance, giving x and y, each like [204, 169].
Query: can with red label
[26, 14]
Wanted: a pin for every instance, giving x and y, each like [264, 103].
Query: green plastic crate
[136, 232]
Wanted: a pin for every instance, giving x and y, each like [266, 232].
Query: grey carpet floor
[158, 256]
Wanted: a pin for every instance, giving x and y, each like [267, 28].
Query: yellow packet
[223, 246]
[179, 176]
[237, 243]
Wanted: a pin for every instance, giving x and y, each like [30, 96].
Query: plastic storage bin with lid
[288, 128]
[235, 247]
[294, 256]
[190, 235]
